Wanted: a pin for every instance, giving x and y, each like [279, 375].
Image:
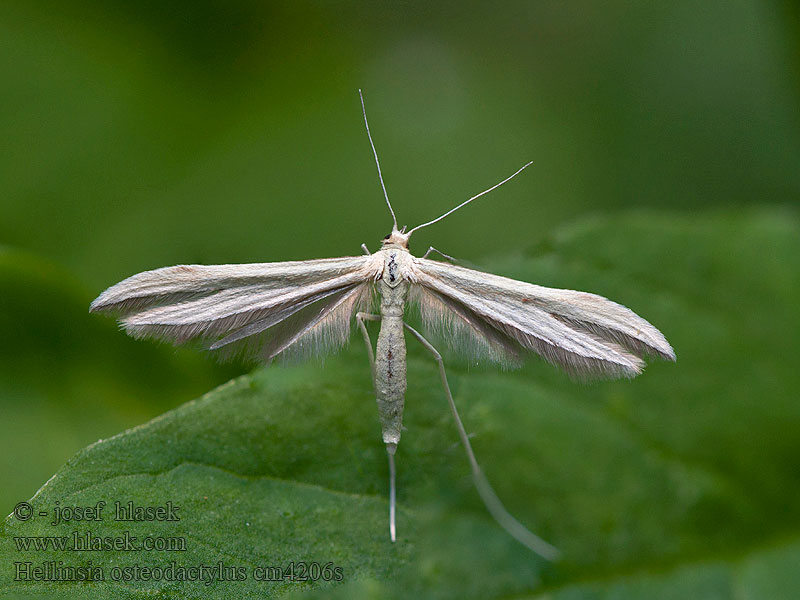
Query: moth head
[397, 238]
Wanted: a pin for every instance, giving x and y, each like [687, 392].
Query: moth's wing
[260, 309]
[584, 333]
[316, 329]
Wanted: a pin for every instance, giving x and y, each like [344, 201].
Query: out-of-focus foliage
[67, 378]
[675, 485]
[137, 134]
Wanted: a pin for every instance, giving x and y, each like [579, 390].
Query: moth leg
[360, 318]
[366, 250]
[432, 249]
[487, 494]
[390, 448]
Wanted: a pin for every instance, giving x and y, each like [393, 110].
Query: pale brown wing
[583, 333]
[259, 310]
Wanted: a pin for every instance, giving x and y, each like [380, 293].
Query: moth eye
[387, 236]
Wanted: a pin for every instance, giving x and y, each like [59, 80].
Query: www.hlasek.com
[87, 541]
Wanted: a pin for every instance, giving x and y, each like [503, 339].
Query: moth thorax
[395, 266]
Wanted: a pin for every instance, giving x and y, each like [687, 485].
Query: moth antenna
[377, 162]
[452, 210]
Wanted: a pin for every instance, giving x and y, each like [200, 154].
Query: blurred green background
[135, 135]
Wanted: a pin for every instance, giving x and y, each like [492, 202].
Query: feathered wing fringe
[172, 285]
[254, 311]
[585, 334]
[316, 329]
[300, 308]
[464, 330]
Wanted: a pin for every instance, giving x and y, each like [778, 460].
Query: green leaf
[684, 483]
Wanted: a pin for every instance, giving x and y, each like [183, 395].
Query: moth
[302, 308]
